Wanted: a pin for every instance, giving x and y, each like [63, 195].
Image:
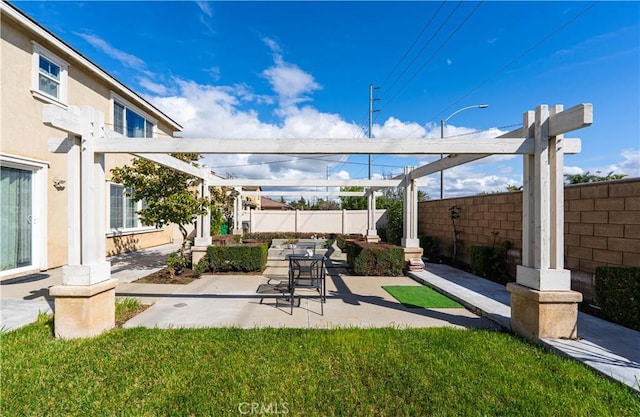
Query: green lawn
[419, 296]
[352, 372]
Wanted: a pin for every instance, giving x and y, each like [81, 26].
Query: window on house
[130, 123]
[122, 209]
[49, 76]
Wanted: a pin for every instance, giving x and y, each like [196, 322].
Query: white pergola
[541, 279]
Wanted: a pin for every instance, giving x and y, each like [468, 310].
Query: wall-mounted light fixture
[58, 183]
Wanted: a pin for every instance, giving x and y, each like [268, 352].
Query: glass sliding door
[16, 214]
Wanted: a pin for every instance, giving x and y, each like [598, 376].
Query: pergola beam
[311, 182]
[327, 146]
[305, 193]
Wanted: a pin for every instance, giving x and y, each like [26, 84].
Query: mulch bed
[164, 277]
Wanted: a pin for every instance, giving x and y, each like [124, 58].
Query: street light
[442, 123]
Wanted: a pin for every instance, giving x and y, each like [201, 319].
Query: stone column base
[84, 310]
[372, 238]
[197, 253]
[544, 314]
[412, 253]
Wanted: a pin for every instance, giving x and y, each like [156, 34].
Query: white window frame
[129, 106]
[40, 172]
[120, 231]
[39, 51]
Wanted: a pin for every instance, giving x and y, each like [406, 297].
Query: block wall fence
[602, 226]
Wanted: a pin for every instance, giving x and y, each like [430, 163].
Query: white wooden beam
[175, 163]
[69, 120]
[305, 193]
[60, 145]
[240, 182]
[574, 118]
[329, 146]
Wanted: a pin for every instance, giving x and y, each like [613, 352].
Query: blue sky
[303, 69]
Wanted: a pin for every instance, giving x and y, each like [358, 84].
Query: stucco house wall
[24, 138]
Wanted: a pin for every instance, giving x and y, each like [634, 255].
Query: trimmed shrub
[375, 259]
[430, 247]
[342, 241]
[618, 294]
[267, 237]
[240, 258]
[490, 262]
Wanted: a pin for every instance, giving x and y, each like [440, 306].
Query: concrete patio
[231, 300]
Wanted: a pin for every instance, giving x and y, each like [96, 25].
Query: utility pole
[371, 111]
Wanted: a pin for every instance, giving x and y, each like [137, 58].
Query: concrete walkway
[23, 298]
[610, 349]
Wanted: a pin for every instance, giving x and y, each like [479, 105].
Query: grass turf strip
[419, 296]
[345, 372]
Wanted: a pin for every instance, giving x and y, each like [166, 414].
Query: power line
[442, 45]
[517, 58]
[424, 28]
[424, 46]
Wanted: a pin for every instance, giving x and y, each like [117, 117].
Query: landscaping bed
[163, 276]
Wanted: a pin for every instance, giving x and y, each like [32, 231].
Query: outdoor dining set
[306, 278]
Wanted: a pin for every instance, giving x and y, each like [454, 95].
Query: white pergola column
[85, 301]
[543, 209]
[542, 303]
[203, 232]
[238, 213]
[410, 241]
[372, 232]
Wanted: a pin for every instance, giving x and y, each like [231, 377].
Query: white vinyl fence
[312, 221]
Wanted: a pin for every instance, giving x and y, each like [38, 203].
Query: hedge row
[618, 294]
[375, 259]
[267, 237]
[237, 258]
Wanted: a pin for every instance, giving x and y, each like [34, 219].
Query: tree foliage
[351, 202]
[588, 177]
[169, 196]
[222, 199]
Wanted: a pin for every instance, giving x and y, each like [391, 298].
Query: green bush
[430, 246]
[490, 262]
[240, 258]
[201, 267]
[176, 262]
[618, 294]
[267, 237]
[375, 259]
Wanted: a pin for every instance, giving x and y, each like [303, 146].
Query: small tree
[169, 196]
[392, 200]
[588, 177]
[352, 202]
[221, 207]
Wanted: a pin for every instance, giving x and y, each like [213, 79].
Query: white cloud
[204, 7]
[629, 165]
[394, 128]
[288, 81]
[128, 60]
[449, 61]
[212, 111]
[569, 170]
[149, 85]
